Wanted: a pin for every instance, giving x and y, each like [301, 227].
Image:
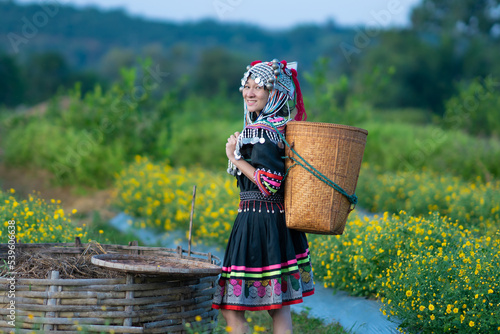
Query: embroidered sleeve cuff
[268, 182]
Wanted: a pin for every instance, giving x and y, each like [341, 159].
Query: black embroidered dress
[266, 265]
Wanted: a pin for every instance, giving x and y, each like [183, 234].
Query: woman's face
[255, 96]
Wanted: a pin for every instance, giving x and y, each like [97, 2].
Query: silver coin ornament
[262, 140]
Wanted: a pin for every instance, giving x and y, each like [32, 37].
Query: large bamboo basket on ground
[334, 150]
[137, 300]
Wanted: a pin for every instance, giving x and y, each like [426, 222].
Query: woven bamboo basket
[139, 299]
[334, 150]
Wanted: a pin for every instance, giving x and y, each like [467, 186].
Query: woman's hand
[244, 167]
[231, 146]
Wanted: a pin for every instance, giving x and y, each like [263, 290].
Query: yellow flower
[421, 308]
[433, 317]
[258, 328]
[431, 307]
[101, 231]
[408, 293]
[471, 323]
[198, 318]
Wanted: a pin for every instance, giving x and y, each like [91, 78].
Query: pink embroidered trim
[253, 269]
[267, 182]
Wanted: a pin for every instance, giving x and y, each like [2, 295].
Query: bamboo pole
[191, 220]
[129, 295]
[51, 302]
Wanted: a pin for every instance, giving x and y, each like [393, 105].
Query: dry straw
[336, 151]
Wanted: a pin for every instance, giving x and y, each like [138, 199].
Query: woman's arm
[247, 169]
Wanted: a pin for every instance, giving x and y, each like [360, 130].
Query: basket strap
[353, 199]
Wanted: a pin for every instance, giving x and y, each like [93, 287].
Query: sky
[264, 13]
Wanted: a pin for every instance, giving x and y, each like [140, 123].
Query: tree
[465, 17]
[219, 71]
[114, 60]
[45, 74]
[11, 82]
[403, 70]
[475, 108]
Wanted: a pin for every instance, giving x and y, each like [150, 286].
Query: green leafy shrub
[202, 143]
[474, 204]
[405, 147]
[86, 140]
[332, 101]
[475, 108]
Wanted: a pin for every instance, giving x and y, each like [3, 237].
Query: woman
[266, 265]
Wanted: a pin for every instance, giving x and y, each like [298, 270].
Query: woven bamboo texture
[337, 152]
[130, 303]
[167, 266]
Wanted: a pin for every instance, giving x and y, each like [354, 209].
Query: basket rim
[326, 125]
[106, 261]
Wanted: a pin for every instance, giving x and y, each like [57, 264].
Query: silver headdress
[272, 75]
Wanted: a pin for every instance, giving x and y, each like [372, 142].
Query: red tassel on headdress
[255, 62]
[301, 112]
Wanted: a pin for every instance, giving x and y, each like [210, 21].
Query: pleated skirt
[266, 265]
